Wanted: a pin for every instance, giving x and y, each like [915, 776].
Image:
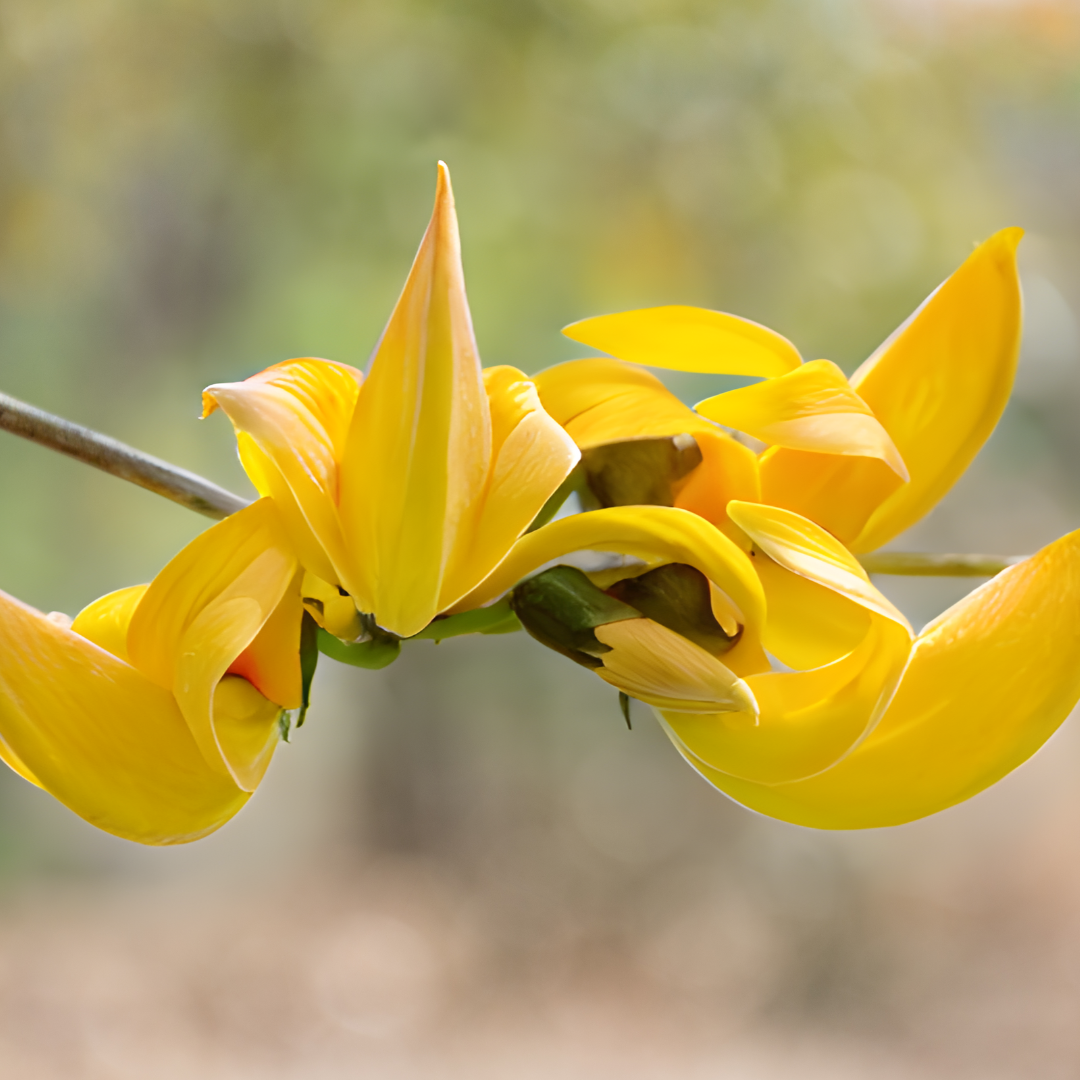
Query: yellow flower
[154, 716]
[865, 458]
[406, 488]
[859, 725]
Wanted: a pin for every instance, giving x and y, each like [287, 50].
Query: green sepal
[561, 608]
[309, 659]
[676, 596]
[378, 652]
[497, 618]
[624, 707]
[638, 472]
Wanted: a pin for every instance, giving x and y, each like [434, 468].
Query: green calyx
[561, 608]
[638, 472]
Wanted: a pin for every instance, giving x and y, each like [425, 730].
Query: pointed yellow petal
[662, 668]
[602, 401]
[531, 456]
[689, 339]
[419, 449]
[200, 614]
[989, 682]
[938, 386]
[102, 738]
[808, 720]
[292, 421]
[655, 534]
[811, 408]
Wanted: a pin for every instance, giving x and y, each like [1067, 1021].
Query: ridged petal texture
[988, 683]
[684, 338]
[409, 489]
[811, 408]
[806, 719]
[603, 401]
[938, 386]
[116, 743]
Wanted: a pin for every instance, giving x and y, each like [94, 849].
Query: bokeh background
[465, 865]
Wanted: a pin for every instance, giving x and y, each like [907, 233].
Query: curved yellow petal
[531, 456]
[601, 401]
[105, 622]
[656, 534]
[662, 668]
[419, 449]
[688, 339]
[804, 548]
[811, 408]
[102, 738]
[807, 720]
[292, 422]
[938, 386]
[988, 683]
[203, 611]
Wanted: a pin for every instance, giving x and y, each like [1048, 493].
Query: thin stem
[922, 565]
[112, 456]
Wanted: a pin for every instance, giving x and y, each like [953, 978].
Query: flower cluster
[714, 581]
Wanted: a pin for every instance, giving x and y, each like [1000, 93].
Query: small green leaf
[624, 705]
[284, 723]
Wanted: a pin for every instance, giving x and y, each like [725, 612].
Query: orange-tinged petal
[292, 422]
[531, 456]
[200, 614]
[102, 738]
[419, 449]
[988, 683]
[689, 339]
[938, 386]
[811, 408]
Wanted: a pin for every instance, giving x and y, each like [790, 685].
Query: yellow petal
[200, 614]
[938, 386]
[989, 682]
[419, 448]
[811, 408]
[105, 622]
[689, 339]
[331, 610]
[602, 401]
[292, 422]
[662, 668]
[656, 534]
[804, 548]
[102, 738]
[807, 721]
[531, 456]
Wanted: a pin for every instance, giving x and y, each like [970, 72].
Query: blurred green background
[465, 864]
